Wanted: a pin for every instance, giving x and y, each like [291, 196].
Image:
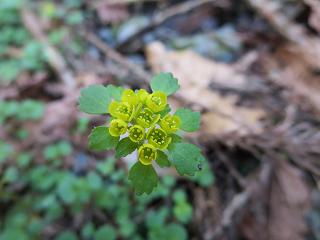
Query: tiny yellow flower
[130, 97]
[117, 127]
[136, 133]
[142, 95]
[156, 101]
[170, 123]
[122, 110]
[158, 138]
[146, 118]
[147, 153]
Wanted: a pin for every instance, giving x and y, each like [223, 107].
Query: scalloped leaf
[165, 82]
[100, 139]
[95, 99]
[162, 159]
[186, 157]
[190, 120]
[143, 178]
[125, 147]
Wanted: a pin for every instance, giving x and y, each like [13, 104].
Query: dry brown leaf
[290, 199]
[278, 212]
[288, 69]
[306, 45]
[195, 74]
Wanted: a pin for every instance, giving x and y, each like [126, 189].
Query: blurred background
[252, 67]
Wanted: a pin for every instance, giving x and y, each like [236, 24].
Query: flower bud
[130, 97]
[142, 95]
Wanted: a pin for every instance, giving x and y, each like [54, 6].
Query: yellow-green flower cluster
[139, 115]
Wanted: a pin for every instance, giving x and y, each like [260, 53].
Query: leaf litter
[222, 114]
[249, 131]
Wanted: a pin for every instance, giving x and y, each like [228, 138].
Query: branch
[163, 16]
[55, 59]
[241, 200]
[143, 75]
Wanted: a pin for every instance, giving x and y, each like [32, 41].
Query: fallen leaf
[305, 45]
[289, 202]
[195, 74]
[287, 69]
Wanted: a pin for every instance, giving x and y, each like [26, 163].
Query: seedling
[143, 121]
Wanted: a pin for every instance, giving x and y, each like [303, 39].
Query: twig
[143, 75]
[233, 171]
[238, 202]
[241, 200]
[55, 59]
[164, 16]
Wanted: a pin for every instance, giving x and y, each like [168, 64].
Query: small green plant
[143, 121]
[21, 111]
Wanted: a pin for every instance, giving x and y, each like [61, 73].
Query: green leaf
[179, 196]
[172, 231]
[24, 159]
[162, 159]
[67, 235]
[94, 180]
[143, 178]
[9, 70]
[168, 181]
[175, 138]
[88, 230]
[127, 228]
[65, 189]
[183, 211]
[164, 82]
[106, 167]
[105, 232]
[175, 232]
[116, 92]
[205, 177]
[10, 175]
[64, 148]
[6, 150]
[190, 121]
[156, 219]
[30, 110]
[186, 158]
[14, 233]
[125, 147]
[74, 18]
[95, 99]
[100, 139]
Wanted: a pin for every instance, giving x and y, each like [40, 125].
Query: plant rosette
[143, 121]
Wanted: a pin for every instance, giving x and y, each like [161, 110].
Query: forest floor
[252, 67]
